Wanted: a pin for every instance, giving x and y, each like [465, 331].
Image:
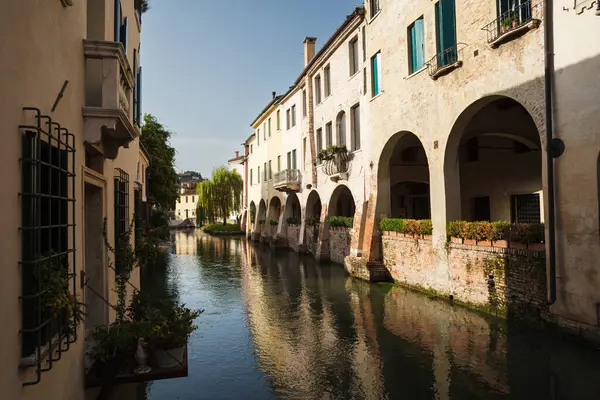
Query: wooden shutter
[419, 45]
[139, 95]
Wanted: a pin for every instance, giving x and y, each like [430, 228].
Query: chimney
[274, 94]
[237, 154]
[309, 49]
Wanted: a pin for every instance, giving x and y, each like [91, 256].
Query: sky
[209, 67]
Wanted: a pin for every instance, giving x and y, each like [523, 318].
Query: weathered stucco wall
[339, 244]
[505, 282]
[293, 236]
[310, 240]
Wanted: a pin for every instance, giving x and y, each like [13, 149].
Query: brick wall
[311, 242]
[505, 282]
[339, 244]
[293, 235]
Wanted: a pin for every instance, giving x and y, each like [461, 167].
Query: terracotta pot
[484, 243]
[427, 237]
[168, 358]
[536, 247]
[517, 245]
[456, 240]
[472, 242]
[500, 243]
[514, 23]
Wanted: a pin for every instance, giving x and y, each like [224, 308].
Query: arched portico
[312, 222]
[273, 214]
[261, 215]
[292, 218]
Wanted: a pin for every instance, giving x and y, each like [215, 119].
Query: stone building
[456, 112]
[71, 110]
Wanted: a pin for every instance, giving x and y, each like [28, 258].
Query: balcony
[336, 162]
[288, 180]
[513, 23]
[446, 61]
[108, 110]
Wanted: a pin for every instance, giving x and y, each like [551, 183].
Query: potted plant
[115, 346]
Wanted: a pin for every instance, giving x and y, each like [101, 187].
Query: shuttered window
[376, 74]
[445, 22]
[416, 48]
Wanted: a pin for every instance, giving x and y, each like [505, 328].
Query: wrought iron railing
[337, 164]
[444, 59]
[510, 20]
[287, 177]
[121, 206]
[47, 241]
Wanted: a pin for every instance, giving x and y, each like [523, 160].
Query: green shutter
[419, 44]
[375, 71]
[446, 18]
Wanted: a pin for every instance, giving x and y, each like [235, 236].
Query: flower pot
[456, 240]
[500, 243]
[484, 243]
[472, 242]
[536, 246]
[168, 358]
[427, 237]
[514, 23]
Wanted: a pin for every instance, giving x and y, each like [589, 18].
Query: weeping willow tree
[220, 196]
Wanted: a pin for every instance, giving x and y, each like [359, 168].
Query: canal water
[282, 326]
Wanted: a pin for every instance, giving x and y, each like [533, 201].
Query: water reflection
[283, 326]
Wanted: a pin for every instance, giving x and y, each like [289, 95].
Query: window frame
[318, 89]
[376, 74]
[327, 81]
[355, 127]
[353, 59]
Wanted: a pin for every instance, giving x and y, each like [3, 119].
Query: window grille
[526, 209]
[138, 214]
[47, 239]
[121, 212]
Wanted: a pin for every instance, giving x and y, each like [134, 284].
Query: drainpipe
[554, 147]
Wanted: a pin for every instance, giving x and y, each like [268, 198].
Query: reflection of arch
[292, 207]
[341, 202]
[313, 205]
[340, 128]
[274, 210]
[261, 215]
[252, 212]
[493, 163]
[403, 178]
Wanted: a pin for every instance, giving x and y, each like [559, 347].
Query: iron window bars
[517, 15]
[137, 213]
[47, 233]
[121, 213]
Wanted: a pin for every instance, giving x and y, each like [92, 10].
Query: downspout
[554, 147]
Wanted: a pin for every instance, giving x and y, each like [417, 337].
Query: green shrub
[498, 230]
[222, 228]
[392, 225]
[501, 230]
[535, 233]
[336, 221]
[457, 229]
[274, 222]
[310, 221]
[479, 230]
[293, 221]
[425, 227]
[412, 227]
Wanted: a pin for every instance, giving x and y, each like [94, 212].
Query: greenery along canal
[283, 326]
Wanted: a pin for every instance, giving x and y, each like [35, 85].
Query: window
[304, 158]
[376, 74]
[294, 159]
[270, 171]
[327, 77]
[525, 209]
[328, 135]
[258, 137]
[186, 199]
[288, 119]
[264, 130]
[319, 139]
[47, 204]
[374, 7]
[265, 172]
[193, 199]
[304, 103]
[340, 125]
[364, 44]
[353, 47]
[365, 81]
[278, 163]
[251, 180]
[289, 160]
[278, 120]
[318, 89]
[293, 115]
[251, 149]
[416, 48]
[355, 126]
[445, 26]
[258, 174]
[269, 127]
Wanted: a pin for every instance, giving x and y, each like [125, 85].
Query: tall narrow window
[355, 126]
[265, 172]
[319, 139]
[264, 130]
[294, 159]
[251, 180]
[304, 155]
[289, 160]
[278, 163]
[318, 89]
[270, 171]
[416, 47]
[525, 209]
[258, 137]
[328, 135]
[278, 120]
[364, 44]
[293, 115]
[304, 103]
[288, 119]
[376, 74]
[353, 48]
[340, 125]
[269, 127]
[327, 77]
[374, 7]
[445, 26]
[258, 173]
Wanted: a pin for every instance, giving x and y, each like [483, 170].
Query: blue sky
[209, 67]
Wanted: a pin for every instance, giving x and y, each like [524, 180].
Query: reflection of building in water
[457, 338]
[185, 243]
[297, 333]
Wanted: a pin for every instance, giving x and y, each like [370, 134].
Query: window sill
[355, 151]
[377, 96]
[32, 360]
[375, 16]
[354, 75]
[417, 72]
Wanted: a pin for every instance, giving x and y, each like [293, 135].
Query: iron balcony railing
[287, 177]
[512, 20]
[445, 60]
[338, 164]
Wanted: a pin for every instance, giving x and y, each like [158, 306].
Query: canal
[283, 326]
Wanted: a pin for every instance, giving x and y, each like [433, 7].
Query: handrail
[516, 17]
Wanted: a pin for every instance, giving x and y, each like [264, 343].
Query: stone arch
[261, 217]
[312, 218]
[341, 202]
[403, 178]
[313, 206]
[493, 163]
[273, 214]
[292, 208]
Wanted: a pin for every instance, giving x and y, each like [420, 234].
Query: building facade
[71, 125]
[449, 113]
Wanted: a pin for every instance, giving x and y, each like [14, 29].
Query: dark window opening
[481, 208]
[525, 209]
[121, 215]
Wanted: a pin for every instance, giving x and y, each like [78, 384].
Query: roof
[271, 103]
[249, 138]
[236, 158]
[358, 11]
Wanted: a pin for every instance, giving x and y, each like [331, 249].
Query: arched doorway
[312, 219]
[273, 215]
[292, 218]
[493, 164]
[260, 217]
[341, 203]
[336, 230]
